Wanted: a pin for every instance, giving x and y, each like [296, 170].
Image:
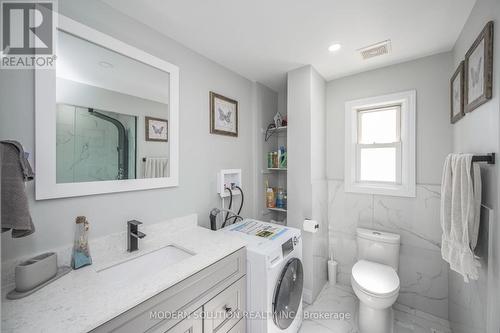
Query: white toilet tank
[378, 246]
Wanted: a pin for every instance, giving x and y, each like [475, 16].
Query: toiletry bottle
[283, 164]
[283, 158]
[285, 199]
[81, 253]
[271, 203]
[279, 198]
[270, 160]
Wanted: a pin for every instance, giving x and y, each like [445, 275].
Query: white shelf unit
[277, 177]
[278, 210]
[280, 129]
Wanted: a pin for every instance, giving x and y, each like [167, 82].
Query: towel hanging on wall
[460, 212]
[15, 170]
[156, 167]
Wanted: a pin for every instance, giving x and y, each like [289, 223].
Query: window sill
[381, 189]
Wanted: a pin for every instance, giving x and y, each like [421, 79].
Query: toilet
[375, 280]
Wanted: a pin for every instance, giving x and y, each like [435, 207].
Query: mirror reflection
[112, 115]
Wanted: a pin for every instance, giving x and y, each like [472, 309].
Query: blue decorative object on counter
[81, 253]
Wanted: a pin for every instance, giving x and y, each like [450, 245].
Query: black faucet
[133, 235]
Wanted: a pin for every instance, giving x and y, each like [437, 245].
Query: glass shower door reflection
[94, 145]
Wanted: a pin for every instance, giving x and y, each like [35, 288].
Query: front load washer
[275, 276]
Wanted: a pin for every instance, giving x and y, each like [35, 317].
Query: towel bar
[490, 158]
[144, 158]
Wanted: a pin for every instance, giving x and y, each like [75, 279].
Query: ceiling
[264, 39]
[82, 61]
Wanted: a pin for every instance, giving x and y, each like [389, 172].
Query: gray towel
[15, 170]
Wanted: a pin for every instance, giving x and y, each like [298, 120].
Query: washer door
[288, 294]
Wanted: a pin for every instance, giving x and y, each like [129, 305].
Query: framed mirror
[107, 118]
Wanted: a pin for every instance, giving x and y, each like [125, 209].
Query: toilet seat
[375, 279]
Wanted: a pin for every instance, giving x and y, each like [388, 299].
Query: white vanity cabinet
[219, 290]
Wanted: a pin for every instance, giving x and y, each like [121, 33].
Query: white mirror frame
[45, 123]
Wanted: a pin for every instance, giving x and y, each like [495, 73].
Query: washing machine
[275, 276]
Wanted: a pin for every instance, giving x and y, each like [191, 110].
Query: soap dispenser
[81, 253]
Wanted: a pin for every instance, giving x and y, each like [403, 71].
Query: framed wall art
[156, 129]
[223, 115]
[457, 94]
[478, 88]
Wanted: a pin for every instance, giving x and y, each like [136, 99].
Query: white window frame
[405, 185]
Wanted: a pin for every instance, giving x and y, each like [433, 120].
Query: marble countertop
[83, 300]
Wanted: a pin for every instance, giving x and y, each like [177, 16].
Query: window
[380, 145]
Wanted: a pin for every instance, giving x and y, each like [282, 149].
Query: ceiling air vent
[376, 50]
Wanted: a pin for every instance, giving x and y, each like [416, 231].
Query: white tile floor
[341, 302]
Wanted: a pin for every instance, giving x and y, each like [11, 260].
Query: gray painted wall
[474, 307]
[299, 167]
[319, 184]
[201, 154]
[307, 188]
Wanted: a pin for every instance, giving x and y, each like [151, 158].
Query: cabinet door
[226, 309]
[192, 324]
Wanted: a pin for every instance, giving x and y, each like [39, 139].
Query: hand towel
[460, 212]
[156, 167]
[15, 171]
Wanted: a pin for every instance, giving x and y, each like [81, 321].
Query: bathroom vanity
[218, 289]
[180, 269]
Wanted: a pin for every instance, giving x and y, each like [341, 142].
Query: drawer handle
[227, 309]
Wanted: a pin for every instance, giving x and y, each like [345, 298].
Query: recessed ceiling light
[334, 47]
[105, 64]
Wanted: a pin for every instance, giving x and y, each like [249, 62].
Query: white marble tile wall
[423, 274]
[468, 302]
[320, 239]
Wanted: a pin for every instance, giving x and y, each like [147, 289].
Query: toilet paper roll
[311, 226]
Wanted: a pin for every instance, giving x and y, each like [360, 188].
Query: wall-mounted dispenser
[228, 178]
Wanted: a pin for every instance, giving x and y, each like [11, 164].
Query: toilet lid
[375, 278]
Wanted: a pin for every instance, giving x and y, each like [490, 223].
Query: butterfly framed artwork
[478, 87]
[156, 129]
[223, 115]
[457, 94]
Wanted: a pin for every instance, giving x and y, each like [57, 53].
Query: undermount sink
[146, 264]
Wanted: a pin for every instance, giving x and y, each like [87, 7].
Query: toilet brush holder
[332, 272]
